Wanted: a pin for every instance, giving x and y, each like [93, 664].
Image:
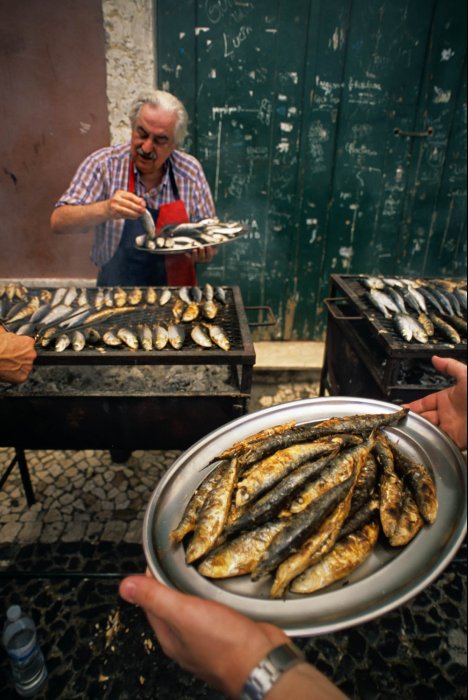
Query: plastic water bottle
[26, 659]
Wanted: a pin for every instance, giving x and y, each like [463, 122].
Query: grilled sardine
[345, 557]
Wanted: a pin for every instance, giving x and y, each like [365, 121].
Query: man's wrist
[269, 670]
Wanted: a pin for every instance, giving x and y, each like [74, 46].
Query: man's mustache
[146, 156]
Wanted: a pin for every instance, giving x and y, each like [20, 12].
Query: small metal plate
[386, 580]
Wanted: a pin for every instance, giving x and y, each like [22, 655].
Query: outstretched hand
[447, 408]
[206, 638]
[218, 644]
[17, 354]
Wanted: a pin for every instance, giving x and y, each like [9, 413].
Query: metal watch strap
[269, 671]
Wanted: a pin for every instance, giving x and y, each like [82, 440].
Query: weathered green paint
[294, 107]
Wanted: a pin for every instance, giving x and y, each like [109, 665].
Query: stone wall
[130, 58]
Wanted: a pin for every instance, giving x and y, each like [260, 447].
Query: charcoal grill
[63, 416]
[365, 356]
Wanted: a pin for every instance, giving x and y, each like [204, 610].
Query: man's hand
[447, 408]
[212, 641]
[203, 255]
[125, 205]
[17, 354]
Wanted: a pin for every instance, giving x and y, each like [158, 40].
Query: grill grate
[384, 329]
[231, 318]
[365, 355]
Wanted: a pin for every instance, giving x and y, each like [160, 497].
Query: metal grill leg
[24, 471]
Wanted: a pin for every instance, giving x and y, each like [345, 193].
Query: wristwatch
[269, 671]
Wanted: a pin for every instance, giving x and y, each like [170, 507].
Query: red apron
[180, 269]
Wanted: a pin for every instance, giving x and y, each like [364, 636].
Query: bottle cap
[13, 613]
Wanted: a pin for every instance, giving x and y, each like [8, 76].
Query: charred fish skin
[59, 296]
[29, 308]
[356, 520]
[431, 298]
[427, 324]
[383, 302]
[99, 299]
[443, 300]
[135, 296]
[461, 295]
[128, 337]
[145, 336]
[208, 292]
[190, 516]
[110, 338]
[161, 336]
[58, 313]
[348, 462]
[445, 329]
[409, 328]
[62, 342]
[270, 504]
[184, 294]
[165, 297]
[191, 312]
[120, 297]
[213, 514]
[345, 557]
[397, 299]
[390, 487]
[218, 337]
[151, 296]
[176, 336]
[178, 310]
[365, 485]
[78, 341]
[199, 337]
[298, 528]
[241, 555]
[459, 324]
[270, 471]
[220, 295]
[209, 310]
[421, 482]
[313, 549]
[364, 423]
[409, 521]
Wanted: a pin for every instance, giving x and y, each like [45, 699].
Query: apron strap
[180, 270]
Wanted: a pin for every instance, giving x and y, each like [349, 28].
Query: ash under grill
[365, 356]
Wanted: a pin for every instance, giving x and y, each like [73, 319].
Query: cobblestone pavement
[81, 495]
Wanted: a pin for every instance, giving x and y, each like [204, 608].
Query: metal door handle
[329, 303]
[268, 309]
[418, 134]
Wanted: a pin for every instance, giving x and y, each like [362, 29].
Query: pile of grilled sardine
[421, 309]
[180, 237]
[111, 317]
[306, 503]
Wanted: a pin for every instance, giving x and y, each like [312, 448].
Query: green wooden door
[336, 130]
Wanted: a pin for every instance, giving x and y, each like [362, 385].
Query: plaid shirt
[106, 171]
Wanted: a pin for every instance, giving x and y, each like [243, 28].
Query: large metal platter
[386, 580]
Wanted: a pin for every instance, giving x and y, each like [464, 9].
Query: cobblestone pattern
[83, 496]
[97, 646]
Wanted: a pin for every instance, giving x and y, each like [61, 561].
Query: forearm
[304, 682]
[73, 218]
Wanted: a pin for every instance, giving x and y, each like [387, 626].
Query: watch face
[269, 670]
[282, 657]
